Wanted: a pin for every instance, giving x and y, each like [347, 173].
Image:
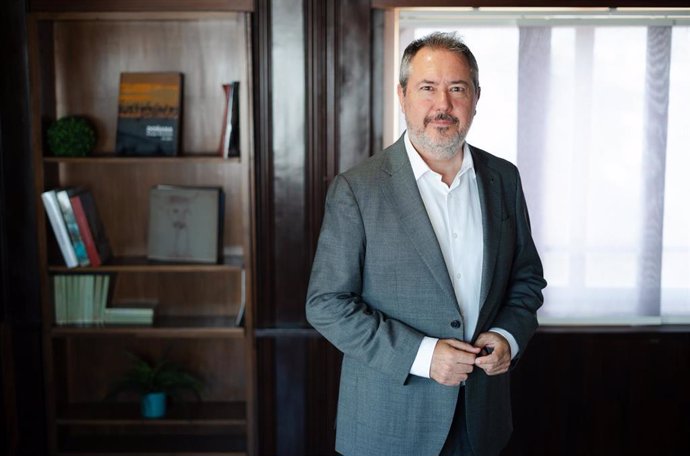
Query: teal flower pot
[153, 405]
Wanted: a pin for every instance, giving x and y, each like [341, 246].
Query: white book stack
[128, 316]
[80, 299]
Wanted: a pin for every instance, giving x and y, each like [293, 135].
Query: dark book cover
[91, 224]
[149, 114]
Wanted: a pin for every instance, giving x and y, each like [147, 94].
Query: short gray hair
[438, 40]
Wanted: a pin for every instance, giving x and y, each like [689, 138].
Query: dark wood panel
[22, 382]
[263, 146]
[526, 3]
[602, 393]
[138, 5]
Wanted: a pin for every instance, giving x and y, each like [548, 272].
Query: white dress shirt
[456, 217]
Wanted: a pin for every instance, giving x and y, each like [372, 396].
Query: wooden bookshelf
[77, 51]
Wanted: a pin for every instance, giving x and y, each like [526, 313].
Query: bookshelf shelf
[179, 414]
[177, 444]
[162, 327]
[112, 159]
[142, 264]
[77, 50]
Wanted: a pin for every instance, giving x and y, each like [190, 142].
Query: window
[593, 108]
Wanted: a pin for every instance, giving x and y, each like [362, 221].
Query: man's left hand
[497, 361]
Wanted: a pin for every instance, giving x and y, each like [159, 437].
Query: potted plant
[71, 136]
[154, 381]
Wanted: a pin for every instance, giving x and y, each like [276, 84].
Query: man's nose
[443, 101]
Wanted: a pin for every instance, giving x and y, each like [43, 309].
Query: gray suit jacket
[379, 284]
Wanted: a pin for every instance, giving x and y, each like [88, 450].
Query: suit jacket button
[455, 323]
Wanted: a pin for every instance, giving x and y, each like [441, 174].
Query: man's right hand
[452, 361]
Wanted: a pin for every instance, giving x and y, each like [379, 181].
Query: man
[426, 276]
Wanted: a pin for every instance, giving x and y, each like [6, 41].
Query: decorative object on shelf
[230, 135]
[71, 136]
[153, 405]
[149, 113]
[185, 223]
[154, 382]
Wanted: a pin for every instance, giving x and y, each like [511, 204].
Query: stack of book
[80, 298]
[77, 226]
[128, 316]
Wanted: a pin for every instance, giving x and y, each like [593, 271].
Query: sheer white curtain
[597, 118]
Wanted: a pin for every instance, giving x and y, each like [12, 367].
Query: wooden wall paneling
[321, 401]
[321, 108]
[264, 315]
[525, 3]
[353, 89]
[263, 139]
[610, 392]
[21, 300]
[267, 420]
[285, 225]
[136, 5]
[289, 155]
[378, 18]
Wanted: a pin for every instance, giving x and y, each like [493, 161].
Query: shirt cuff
[422, 363]
[514, 348]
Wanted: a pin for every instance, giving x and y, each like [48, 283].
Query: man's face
[439, 103]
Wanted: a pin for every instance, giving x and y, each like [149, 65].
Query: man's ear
[401, 98]
[479, 92]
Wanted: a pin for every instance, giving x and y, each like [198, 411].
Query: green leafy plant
[71, 136]
[162, 376]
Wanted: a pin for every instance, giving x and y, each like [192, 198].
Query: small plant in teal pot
[154, 382]
[71, 136]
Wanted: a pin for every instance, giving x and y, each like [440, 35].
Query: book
[239, 318]
[62, 196]
[185, 223]
[85, 231]
[59, 299]
[128, 315]
[230, 131]
[54, 213]
[80, 299]
[149, 114]
[90, 227]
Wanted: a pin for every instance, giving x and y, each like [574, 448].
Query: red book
[85, 230]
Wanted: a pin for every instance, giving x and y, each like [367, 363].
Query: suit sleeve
[523, 296]
[335, 306]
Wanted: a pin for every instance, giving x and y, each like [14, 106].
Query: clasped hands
[453, 361]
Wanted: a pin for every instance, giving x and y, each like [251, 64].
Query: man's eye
[459, 89]
[425, 88]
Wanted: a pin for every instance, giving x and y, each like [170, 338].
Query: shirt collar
[419, 166]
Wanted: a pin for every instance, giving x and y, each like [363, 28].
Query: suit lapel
[489, 187]
[400, 188]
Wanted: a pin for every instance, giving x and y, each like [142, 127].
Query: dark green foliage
[71, 136]
[150, 377]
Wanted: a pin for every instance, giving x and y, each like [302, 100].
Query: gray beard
[439, 150]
